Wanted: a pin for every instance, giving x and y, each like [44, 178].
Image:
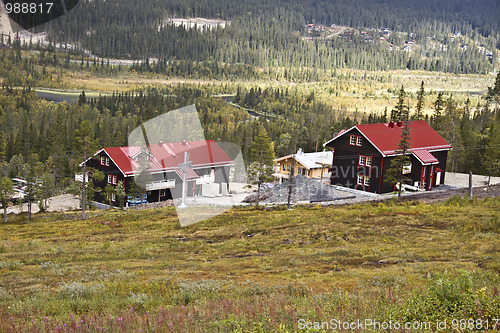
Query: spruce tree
[397, 114]
[420, 102]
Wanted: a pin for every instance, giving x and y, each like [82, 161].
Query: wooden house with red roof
[208, 164]
[363, 154]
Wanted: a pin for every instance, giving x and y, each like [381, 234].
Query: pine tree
[120, 193]
[109, 190]
[491, 158]
[6, 191]
[84, 145]
[437, 116]
[261, 160]
[494, 94]
[395, 173]
[31, 170]
[45, 190]
[82, 99]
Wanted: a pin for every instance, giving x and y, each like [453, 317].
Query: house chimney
[184, 143]
[400, 123]
[300, 152]
[391, 124]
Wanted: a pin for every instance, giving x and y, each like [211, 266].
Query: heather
[250, 270]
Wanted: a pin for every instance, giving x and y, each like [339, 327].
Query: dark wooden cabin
[363, 154]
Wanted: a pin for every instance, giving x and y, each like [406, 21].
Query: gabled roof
[385, 137]
[168, 156]
[310, 160]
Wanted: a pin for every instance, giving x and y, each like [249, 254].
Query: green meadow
[252, 270]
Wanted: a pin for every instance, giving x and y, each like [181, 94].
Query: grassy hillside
[251, 270]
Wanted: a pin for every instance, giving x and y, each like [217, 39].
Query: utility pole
[290, 181]
[184, 167]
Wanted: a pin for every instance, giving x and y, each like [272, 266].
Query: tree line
[270, 35]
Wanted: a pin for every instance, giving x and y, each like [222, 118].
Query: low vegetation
[251, 270]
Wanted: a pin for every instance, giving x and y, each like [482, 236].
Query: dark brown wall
[112, 169]
[345, 168]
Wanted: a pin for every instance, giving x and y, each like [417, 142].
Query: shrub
[464, 296]
[138, 300]
[486, 225]
[78, 290]
[4, 294]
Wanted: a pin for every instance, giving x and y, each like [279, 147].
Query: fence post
[470, 185]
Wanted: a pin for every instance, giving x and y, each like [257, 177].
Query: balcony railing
[160, 184]
[208, 179]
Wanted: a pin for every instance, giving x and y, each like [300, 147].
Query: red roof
[168, 156]
[385, 137]
[190, 174]
[425, 157]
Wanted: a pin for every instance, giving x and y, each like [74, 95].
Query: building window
[366, 181]
[303, 171]
[356, 140]
[288, 167]
[284, 167]
[105, 160]
[406, 168]
[112, 179]
[365, 161]
[163, 193]
[300, 170]
[113, 197]
[360, 179]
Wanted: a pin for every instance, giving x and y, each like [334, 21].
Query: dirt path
[427, 197]
[58, 203]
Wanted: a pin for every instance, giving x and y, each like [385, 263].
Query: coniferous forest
[451, 36]
[283, 41]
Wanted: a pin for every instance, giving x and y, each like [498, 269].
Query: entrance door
[438, 178]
